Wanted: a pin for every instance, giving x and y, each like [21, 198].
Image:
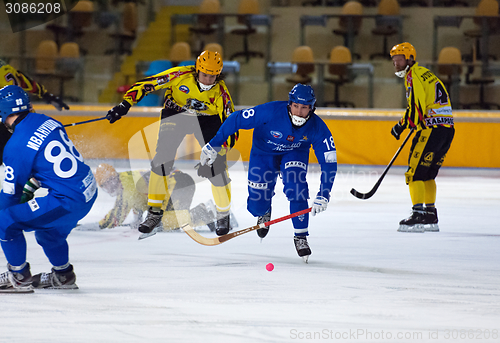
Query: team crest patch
[290, 138]
[33, 205]
[184, 89]
[276, 134]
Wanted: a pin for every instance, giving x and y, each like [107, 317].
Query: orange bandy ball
[270, 267]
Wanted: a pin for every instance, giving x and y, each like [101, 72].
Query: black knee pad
[162, 169]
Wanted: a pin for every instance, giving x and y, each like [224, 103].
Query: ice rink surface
[365, 282]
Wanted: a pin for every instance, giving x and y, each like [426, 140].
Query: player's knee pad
[220, 180]
[49, 237]
[296, 191]
[258, 208]
[163, 169]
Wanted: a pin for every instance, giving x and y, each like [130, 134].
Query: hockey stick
[84, 122]
[374, 189]
[218, 240]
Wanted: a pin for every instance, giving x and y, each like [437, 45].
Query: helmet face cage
[209, 62]
[405, 49]
[13, 100]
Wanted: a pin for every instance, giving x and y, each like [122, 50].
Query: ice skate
[16, 282]
[414, 223]
[263, 219]
[302, 247]
[431, 220]
[223, 225]
[55, 280]
[153, 219]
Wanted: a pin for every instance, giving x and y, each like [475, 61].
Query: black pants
[427, 153]
[173, 129]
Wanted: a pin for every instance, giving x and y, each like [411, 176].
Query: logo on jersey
[295, 164]
[290, 138]
[257, 185]
[33, 205]
[330, 156]
[184, 89]
[276, 134]
[304, 138]
[163, 79]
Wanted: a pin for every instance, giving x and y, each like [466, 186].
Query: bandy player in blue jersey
[283, 133]
[39, 148]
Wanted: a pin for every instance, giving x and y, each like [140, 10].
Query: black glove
[55, 101]
[397, 130]
[117, 112]
[218, 167]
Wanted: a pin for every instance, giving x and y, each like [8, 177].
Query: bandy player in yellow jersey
[429, 112]
[10, 76]
[196, 101]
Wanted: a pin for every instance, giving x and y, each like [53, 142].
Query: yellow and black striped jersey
[134, 196]
[429, 104]
[183, 94]
[10, 76]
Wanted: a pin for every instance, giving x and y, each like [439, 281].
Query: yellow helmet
[209, 62]
[104, 173]
[404, 49]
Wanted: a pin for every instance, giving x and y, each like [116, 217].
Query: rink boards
[362, 136]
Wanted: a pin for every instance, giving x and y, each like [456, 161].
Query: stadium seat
[206, 22]
[385, 25]
[216, 47]
[340, 59]
[485, 8]
[304, 58]
[127, 34]
[246, 7]
[180, 51]
[351, 8]
[449, 64]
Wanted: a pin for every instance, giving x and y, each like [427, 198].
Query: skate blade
[431, 227]
[69, 287]
[18, 290]
[305, 258]
[146, 235]
[418, 228]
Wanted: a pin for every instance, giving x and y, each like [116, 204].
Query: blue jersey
[40, 148]
[274, 134]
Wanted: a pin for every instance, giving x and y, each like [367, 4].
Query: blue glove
[319, 205]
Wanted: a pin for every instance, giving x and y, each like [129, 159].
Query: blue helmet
[302, 94]
[13, 100]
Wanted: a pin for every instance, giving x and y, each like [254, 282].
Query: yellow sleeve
[10, 76]
[156, 82]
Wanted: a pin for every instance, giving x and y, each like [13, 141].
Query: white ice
[365, 282]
